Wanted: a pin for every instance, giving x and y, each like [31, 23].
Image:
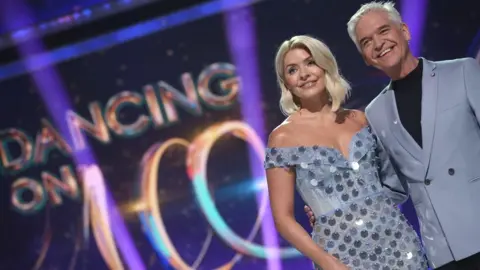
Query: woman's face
[303, 77]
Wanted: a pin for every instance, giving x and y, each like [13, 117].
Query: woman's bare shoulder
[281, 136]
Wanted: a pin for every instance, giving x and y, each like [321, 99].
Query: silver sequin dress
[356, 221]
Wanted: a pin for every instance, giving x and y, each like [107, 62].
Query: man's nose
[378, 43]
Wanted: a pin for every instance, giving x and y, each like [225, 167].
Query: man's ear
[405, 31]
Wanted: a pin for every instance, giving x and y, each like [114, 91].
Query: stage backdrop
[176, 131]
[176, 112]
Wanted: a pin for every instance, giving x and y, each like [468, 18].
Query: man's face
[383, 43]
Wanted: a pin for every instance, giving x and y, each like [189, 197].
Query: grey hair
[388, 7]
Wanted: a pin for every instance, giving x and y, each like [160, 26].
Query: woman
[330, 154]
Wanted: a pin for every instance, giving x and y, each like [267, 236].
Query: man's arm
[396, 188]
[471, 72]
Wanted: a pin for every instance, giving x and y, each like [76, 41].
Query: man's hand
[310, 215]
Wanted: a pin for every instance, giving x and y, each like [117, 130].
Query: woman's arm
[281, 191]
[281, 185]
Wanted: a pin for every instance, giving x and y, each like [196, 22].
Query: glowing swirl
[151, 217]
[197, 158]
[95, 207]
[197, 170]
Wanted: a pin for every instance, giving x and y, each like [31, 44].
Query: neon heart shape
[196, 161]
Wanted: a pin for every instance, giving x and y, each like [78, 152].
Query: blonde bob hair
[337, 87]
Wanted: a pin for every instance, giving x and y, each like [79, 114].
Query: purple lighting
[414, 15]
[53, 95]
[241, 37]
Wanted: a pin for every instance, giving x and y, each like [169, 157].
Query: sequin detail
[356, 222]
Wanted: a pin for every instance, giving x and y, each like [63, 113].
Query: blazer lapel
[393, 120]
[429, 108]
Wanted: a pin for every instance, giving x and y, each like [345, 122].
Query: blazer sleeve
[471, 71]
[395, 187]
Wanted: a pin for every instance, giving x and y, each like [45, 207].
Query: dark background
[451, 31]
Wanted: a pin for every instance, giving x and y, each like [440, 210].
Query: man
[427, 121]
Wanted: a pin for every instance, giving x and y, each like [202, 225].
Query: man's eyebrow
[365, 39]
[378, 29]
[383, 27]
[362, 40]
